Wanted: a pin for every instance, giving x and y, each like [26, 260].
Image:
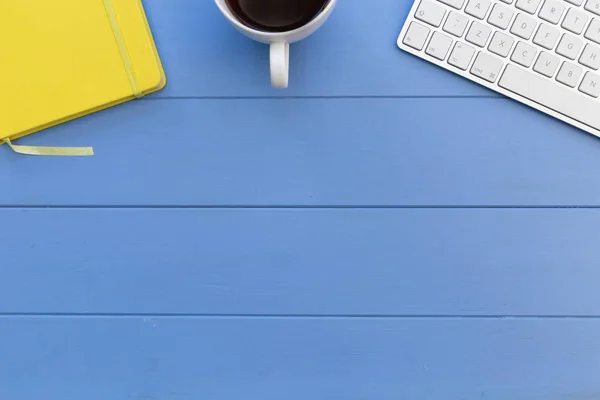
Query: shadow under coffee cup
[277, 23]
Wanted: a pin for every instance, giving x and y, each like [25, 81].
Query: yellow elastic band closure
[50, 151]
[112, 17]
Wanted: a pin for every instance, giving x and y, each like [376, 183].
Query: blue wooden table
[382, 230]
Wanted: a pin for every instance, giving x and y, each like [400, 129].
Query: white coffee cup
[279, 41]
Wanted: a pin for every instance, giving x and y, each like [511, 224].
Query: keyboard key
[528, 5]
[546, 64]
[593, 6]
[478, 34]
[438, 45]
[456, 23]
[523, 26]
[576, 2]
[507, 1]
[431, 13]
[453, 3]
[416, 35]
[500, 16]
[593, 31]
[575, 20]
[501, 44]
[569, 74]
[543, 91]
[478, 8]
[552, 10]
[569, 46]
[590, 84]
[487, 67]
[590, 56]
[461, 56]
[546, 36]
[523, 54]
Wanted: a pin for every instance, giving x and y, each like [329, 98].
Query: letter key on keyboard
[500, 16]
[523, 54]
[478, 8]
[569, 74]
[552, 10]
[569, 46]
[478, 34]
[546, 36]
[501, 44]
[590, 84]
[546, 64]
[590, 56]
[574, 21]
[593, 31]
[523, 26]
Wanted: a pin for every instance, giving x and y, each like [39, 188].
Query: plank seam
[298, 316]
[294, 207]
[158, 98]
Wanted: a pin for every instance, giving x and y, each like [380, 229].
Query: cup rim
[271, 35]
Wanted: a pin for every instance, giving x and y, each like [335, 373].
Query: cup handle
[280, 64]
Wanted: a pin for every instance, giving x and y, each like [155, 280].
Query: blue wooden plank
[298, 359]
[301, 261]
[391, 152]
[355, 54]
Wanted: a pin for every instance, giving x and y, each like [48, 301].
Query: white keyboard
[544, 53]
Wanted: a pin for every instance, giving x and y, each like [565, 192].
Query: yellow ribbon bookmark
[112, 17]
[50, 151]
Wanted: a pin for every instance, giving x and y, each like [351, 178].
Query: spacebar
[552, 94]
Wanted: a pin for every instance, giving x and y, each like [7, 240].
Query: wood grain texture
[311, 152]
[381, 230]
[221, 359]
[298, 262]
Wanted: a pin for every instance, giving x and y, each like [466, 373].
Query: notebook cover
[59, 60]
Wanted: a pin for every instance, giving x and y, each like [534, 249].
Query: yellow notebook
[62, 59]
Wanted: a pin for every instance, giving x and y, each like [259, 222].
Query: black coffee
[276, 15]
